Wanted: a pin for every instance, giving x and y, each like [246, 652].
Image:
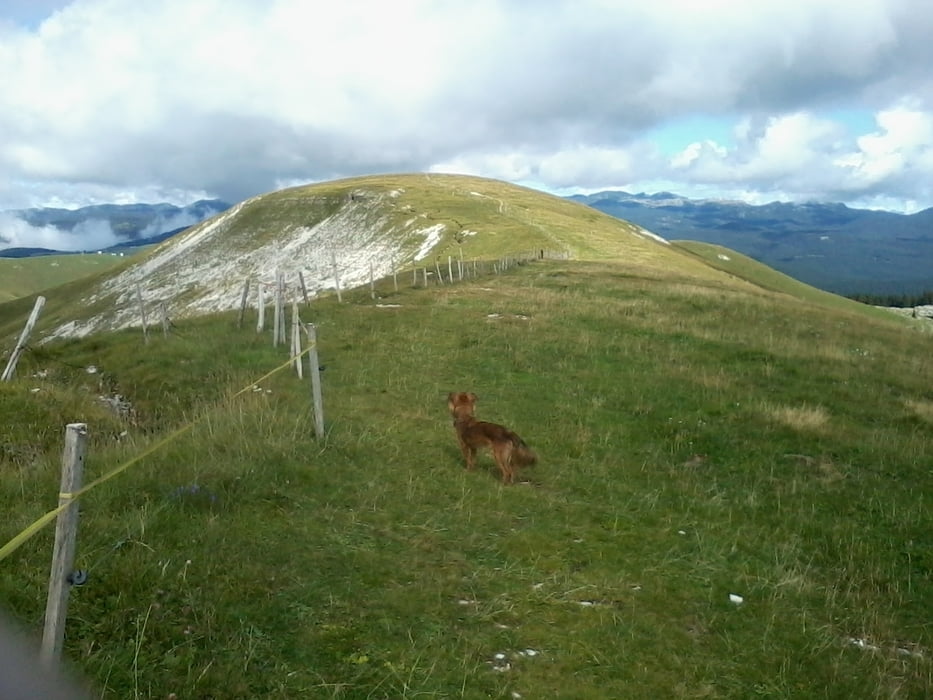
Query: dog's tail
[522, 455]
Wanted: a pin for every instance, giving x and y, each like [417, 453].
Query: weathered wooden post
[165, 320]
[278, 323]
[304, 289]
[296, 340]
[450, 269]
[333, 259]
[66, 532]
[261, 321]
[243, 298]
[21, 343]
[372, 283]
[314, 365]
[437, 268]
[142, 312]
[283, 291]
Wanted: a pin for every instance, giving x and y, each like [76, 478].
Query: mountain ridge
[831, 246]
[122, 225]
[364, 226]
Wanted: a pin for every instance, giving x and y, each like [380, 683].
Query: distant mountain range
[830, 246]
[129, 225]
[361, 228]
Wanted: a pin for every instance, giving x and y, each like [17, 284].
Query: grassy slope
[768, 278]
[696, 440]
[21, 277]
[481, 218]
[508, 217]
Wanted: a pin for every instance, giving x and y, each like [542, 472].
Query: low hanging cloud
[92, 234]
[232, 97]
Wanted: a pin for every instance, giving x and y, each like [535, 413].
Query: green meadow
[733, 496]
[21, 277]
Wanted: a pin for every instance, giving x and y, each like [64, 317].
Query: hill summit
[360, 226]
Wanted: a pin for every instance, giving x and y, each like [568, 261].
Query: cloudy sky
[761, 100]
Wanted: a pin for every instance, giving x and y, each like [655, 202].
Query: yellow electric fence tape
[67, 498]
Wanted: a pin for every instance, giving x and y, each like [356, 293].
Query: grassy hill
[768, 278]
[367, 226]
[700, 437]
[21, 277]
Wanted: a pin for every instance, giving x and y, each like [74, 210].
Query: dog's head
[461, 403]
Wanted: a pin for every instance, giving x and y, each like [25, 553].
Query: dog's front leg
[468, 454]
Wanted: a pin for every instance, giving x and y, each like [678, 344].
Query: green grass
[25, 276]
[469, 218]
[763, 276]
[695, 441]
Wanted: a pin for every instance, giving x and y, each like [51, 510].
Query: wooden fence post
[243, 298]
[165, 320]
[315, 371]
[142, 312]
[437, 267]
[283, 290]
[277, 310]
[333, 259]
[261, 321]
[304, 289]
[66, 532]
[296, 339]
[21, 343]
[372, 283]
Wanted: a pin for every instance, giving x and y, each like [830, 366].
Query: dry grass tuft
[803, 418]
[921, 408]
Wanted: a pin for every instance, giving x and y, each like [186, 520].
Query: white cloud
[583, 167]
[800, 155]
[905, 138]
[87, 235]
[231, 98]
[696, 153]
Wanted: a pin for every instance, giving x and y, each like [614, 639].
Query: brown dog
[509, 450]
